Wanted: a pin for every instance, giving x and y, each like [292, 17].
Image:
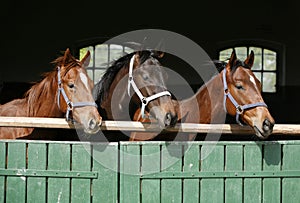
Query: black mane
[102, 87]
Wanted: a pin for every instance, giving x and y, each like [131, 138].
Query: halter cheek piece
[70, 104]
[239, 108]
[144, 100]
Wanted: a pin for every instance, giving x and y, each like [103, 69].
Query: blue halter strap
[70, 104]
[239, 108]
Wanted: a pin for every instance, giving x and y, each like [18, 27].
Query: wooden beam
[38, 122]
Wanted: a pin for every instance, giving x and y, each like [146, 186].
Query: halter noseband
[144, 100]
[239, 108]
[70, 104]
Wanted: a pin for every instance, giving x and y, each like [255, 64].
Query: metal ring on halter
[145, 101]
[239, 109]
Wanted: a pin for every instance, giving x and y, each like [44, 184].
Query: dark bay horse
[65, 91]
[135, 80]
[235, 90]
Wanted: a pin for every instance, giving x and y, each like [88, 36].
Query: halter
[70, 104]
[144, 100]
[239, 108]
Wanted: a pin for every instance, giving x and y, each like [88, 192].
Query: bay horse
[65, 91]
[133, 81]
[235, 91]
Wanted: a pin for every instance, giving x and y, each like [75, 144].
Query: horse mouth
[261, 135]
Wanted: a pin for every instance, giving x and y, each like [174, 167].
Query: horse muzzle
[266, 130]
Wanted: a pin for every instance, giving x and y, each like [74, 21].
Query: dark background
[34, 32]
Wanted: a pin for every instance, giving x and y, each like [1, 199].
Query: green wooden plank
[212, 190]
[16, 159]
[129, 173]
[171, 189]
[191, 164]
[59, 159]
[150, 164]
[234, 162]
[291, 161]
[2, 165]
[81, 161]
[252, 162]
[271, 162]
[37, 159]
[105, 162]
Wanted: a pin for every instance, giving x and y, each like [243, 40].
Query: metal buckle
[239, 109]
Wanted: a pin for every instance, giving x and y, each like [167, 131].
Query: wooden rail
[38, 122]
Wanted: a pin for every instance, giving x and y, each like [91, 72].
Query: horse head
[136, 80]
[74, 95]
[243, 97]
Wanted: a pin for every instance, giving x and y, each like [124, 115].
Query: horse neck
[41, 98]
[117, 95]
[208, 100]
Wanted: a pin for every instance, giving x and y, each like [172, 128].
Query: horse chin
[92, 131]
[260, 134]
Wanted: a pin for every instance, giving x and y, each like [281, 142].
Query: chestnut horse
[65, 91]
[235, 90]
[136, 80]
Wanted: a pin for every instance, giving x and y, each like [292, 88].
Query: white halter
[144, 100]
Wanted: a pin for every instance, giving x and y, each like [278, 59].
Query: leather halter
[144, 100]
[70, 104]
[239, 108]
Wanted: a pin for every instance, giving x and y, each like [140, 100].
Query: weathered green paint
[37, 160]
[291, 161]
[16, 159]
[2, 165]
[149, 171]
[105, 162]
[81, 161]
[233, 164]
[150, 155]
[48, 173]
[59, 156]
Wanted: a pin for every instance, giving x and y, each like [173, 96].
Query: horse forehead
[151, 61]
[246, 75]
[84, 79]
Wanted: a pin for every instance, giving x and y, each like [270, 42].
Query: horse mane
[41, 89]
[102, 87]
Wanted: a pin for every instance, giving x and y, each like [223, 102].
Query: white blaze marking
[84, 80]
[252, 80]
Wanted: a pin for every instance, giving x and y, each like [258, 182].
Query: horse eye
[145, 76]
[71, 85]
[238, 86]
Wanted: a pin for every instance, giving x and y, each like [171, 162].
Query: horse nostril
[267, 125]
[168, 119]
[174, 120]
[92, 124]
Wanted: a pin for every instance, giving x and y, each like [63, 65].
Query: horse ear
[232, 58]
[250, 59]
[160, 49]
[157, 54]
[67, 56]
[86, 59]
